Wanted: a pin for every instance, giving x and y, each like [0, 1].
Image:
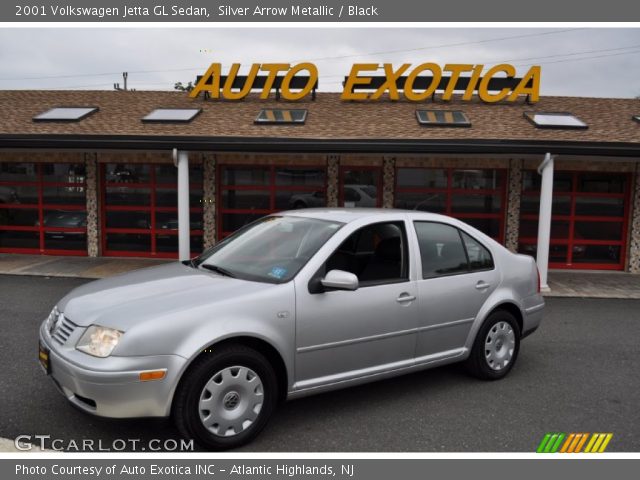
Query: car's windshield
[272, 249]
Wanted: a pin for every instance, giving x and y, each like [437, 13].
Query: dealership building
[131, 173]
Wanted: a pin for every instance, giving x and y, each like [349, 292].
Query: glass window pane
[18, 172]
[600, 206]
[64, 172]
[64, 195]
[65, 240]
[441, 249]
[562, 181]
[167, 243]
[300, 177]
[246, 199]
[167, 197]
[197, 244]
[471, 203]
[19, 217]
[169, 221]
[195, 197]
[557, 253]
[128, 242]
[127, 173]
[478, 179]
[421, 177]
[128, 196]
[601, 183]
[360, 188]
[425, 202]
[479, 256]
[169, 174]
[129, 220]
[597, 231]
[286, 200]
[246, 176]
[559, 229]
[11, 239]
[18, 194]
[64, 218]
[488, 226]
[606, 254]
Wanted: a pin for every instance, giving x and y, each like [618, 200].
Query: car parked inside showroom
[294, 304]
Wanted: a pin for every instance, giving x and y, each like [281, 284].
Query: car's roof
[347, 215]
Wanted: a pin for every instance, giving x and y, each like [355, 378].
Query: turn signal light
[152, 375]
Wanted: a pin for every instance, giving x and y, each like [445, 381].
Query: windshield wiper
[217, 269]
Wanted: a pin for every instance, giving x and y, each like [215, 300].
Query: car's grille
[63, 330]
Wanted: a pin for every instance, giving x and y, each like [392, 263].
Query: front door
[347, 334]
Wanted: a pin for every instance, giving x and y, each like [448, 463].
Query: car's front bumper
[111, 387]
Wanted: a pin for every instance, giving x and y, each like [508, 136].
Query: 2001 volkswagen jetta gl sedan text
[293, 304]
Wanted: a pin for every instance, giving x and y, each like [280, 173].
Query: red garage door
[43, 208]
[589, 219]
[139, 210]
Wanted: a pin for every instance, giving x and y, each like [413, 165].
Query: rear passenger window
[441, 249]
[479, 256]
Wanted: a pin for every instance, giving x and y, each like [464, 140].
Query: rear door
[457, 276]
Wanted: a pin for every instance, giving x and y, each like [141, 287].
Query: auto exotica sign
[414, 83]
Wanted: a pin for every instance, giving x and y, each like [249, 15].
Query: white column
[184, 252]
[544, 219]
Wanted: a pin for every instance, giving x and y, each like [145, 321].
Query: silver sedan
[293, 304]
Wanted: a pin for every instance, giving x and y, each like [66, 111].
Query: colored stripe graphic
[574, 442]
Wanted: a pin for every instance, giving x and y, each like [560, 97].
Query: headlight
[99, 341]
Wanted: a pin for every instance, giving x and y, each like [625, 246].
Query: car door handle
[405, 297]
[482, 285]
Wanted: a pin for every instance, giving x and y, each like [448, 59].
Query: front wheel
[226, 397]
[496, 347]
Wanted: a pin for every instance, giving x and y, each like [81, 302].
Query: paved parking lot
[578, 373]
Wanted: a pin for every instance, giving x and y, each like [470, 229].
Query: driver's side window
[376, 254]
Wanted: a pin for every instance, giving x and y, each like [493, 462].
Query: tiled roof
[329, 118]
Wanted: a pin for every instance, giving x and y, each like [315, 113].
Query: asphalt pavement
[577, 373]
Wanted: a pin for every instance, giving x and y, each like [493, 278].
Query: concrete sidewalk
[563, 283]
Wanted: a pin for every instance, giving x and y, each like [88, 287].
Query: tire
[495, 349]
[239, 385]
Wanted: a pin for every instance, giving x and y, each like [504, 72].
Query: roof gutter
[310, 145]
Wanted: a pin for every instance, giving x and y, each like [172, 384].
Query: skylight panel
[281, 116]
[172, 115]
[554, 120]
[65, 114]
[443, 118]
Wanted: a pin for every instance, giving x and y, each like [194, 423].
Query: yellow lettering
[390, 82]
[533, 91]
[354, 79]
[213, 73]
[246, 88]
[273, 69]
[455, 69]
[436, 73]
[313, 78]
[483, 91]
[473, 81]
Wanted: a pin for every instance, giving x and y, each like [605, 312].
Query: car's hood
[125, 300]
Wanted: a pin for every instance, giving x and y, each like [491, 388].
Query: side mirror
[340, 280]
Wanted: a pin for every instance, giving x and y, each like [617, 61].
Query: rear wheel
[226, 398]
[496, 347]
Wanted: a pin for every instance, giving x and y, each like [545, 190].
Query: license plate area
[44, 358]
